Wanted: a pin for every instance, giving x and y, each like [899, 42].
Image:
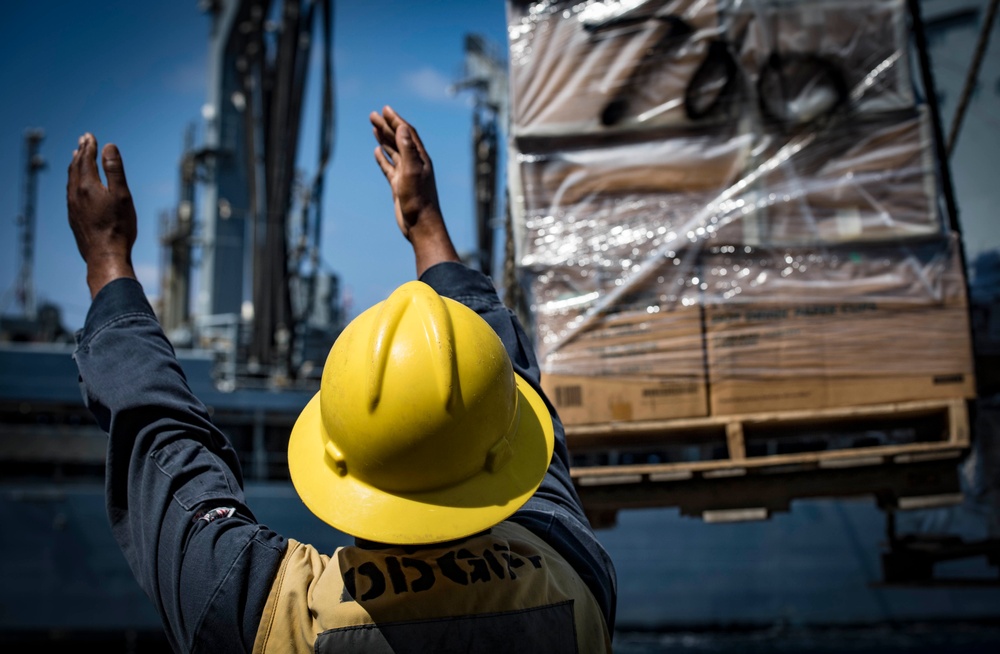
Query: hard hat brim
[483, 500]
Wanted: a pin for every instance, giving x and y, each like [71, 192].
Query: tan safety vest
[502, 591]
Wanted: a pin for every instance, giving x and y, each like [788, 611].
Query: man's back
[222, 581]
[500, 591]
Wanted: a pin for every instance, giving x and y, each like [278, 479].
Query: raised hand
[102, 217]
[408, 169]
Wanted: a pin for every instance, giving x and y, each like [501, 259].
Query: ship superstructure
[252, 309]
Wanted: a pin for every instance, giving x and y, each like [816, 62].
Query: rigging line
[313, 202]
[973, 74]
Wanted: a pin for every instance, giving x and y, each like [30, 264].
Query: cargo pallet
[748, 466]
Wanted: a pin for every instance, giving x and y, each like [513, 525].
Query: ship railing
[223, 335]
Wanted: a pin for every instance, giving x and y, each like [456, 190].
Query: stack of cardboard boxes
[729, 208]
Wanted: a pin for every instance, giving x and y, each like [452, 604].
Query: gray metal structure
[33, 164]
[250, 267]
[65, 580]
[485, 75]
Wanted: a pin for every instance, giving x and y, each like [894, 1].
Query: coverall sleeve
[555, 512]
[174, 489]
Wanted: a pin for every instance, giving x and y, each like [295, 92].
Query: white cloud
[190, 77]
[350, 86]
[429, 84]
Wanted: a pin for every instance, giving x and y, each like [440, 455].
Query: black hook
[678, 31]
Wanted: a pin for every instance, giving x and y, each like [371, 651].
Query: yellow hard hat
[421, 431]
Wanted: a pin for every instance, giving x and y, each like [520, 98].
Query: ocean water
[683, 585]
[920, 638]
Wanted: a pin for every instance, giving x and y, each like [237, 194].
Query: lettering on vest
[407, 574]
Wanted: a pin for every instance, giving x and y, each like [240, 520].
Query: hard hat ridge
[430, 308]
[421, 431]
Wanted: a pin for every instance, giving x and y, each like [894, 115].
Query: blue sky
[976, 156]
[134, 73]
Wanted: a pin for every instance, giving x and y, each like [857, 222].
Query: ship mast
[262, 295]
[33, 164]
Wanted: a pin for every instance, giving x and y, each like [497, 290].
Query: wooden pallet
[744, 483]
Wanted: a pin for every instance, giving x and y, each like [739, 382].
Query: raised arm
[408, 169]
[174, 488]
[102, 217]
[555, 512]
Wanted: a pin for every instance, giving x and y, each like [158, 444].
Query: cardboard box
[660, 347]
[600, 400]
[864, 180]
[630, 367]
[590, 301]
[776, 358]
[870, 326]
[640, 358]
[570, 60]
[921, 274]
[582, 203]
[865, 41]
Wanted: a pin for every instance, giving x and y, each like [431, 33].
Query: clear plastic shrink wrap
[726, 206]
[582, 66]
[589, 66]
[841, 326]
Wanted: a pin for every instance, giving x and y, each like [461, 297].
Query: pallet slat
[732, 431]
